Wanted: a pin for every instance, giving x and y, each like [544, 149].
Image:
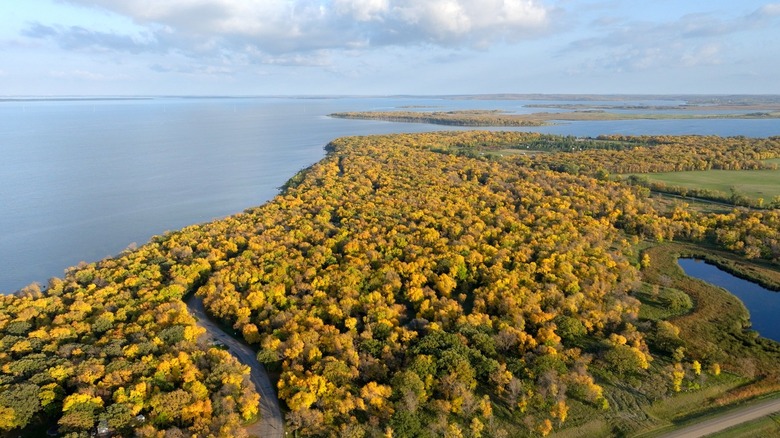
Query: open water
[762, 303]
[81, 180]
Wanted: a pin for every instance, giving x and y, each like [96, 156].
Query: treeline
[667, 154]
[450, 118]
[752, 234]
[619, 154]
[396, 290]
[570, 143]
[734, 197]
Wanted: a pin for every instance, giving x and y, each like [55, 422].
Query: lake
[83, 179]
[763, 304]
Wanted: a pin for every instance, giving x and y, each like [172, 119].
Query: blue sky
[324, 47]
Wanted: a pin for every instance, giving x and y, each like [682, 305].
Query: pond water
[763, 304]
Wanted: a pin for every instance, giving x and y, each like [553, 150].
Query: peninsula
[485, 118]
[418, 285]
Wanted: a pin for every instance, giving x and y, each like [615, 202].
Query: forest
[412, 285]
[452, 118]
[500, 118]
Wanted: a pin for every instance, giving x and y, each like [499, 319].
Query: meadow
[764, 184]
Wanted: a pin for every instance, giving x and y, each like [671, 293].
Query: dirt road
[271, 424]
[727, 419]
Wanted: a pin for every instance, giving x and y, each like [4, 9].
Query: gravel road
[727, 419]
[271, 424]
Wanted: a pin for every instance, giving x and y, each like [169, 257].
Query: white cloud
[84, 75]
[193, 69]
[707, 54]
[696, 39]
[440, 17]
[283, 26]
[362, 10]
[769, 10]
[79, 38]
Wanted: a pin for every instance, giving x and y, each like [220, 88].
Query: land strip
[684, 107]
[499, 118]
[450, 118]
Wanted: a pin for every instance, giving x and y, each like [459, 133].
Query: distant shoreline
[684, 101]
[483, 118]
[450, 118]
[684, 107]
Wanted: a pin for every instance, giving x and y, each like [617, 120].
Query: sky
[388, 47]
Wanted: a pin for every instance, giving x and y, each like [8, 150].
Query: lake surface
[83, 179]
[763, 304]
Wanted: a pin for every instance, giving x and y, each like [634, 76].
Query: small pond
[763, 304]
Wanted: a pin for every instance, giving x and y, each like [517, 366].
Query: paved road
[271, 424]
[727, 419]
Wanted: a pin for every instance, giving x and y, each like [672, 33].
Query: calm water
[763, 304]
[81, 180]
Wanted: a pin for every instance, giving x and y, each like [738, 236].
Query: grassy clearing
[711, 323]
[666, 203]
[715, 330]
[691, 404]
[596, 427]
[630, 415]
[659, 302]
[518, 152]
[752, 183]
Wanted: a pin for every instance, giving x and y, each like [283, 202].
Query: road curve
[727, 419]
[271, 424]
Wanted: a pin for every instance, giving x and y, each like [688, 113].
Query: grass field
[752, 183]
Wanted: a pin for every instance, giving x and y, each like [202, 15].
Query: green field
[752, 183]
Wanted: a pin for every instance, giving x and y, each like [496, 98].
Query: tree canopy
[405, 284]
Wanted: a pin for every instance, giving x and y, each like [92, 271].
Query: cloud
[766, 11]
[79, 38]
[692, 40]
[362, 10]
[84, 75]
[646, 58]
[706, 54]
[193, 69]
[280, 27]
[318, 59]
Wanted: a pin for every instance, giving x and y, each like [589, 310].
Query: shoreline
[497, 118]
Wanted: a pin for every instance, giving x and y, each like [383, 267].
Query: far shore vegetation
[484, 118]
